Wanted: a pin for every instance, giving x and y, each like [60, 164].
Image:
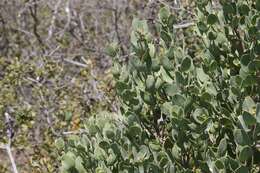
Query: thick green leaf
[59, 143]
[179, 78]
[68, 116]
[229, 9]
[151, 50]
[112, 50]
[176, 152]
[179, 100]
[202, 76]
[140, 26]
[155, 146]
[104, 145]
[109, 133]
[148, 98]
[249, 105]
[111, 158]
[245, 153]
[199, 115]
[222, 148]
[243, 9]
[212, 35]
[68, 161]
[186, 64]
[241, 137]
[242, 169]
[79, 165]
[212, 19]
[155, 65]
[164, 13]
[167, 64]
[202, 27]
[158, 83]
[135, 131]
[166, 38]
[150, 82]
[171, 89]
[99, 153]
[245, 59]
[143, 154]
[249, 119]
[219, 165]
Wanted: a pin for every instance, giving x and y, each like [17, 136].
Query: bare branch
[9, 152]
[50, 32]
[75, 63]
[183, 25]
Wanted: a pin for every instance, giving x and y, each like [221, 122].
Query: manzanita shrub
[181, 112]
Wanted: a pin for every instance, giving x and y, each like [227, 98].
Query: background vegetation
[185, 107]
[54, 73]
[180, 93]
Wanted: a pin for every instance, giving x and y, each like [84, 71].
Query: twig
[80, 131]
[33, 13]
[50, 32]
[68, 11]
[75, 63]
[117, 16]
[10, 133]
[183, 25]
[9, 152]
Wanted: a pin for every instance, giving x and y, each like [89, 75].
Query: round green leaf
[112, 50]
[222, 148]
[212, 19]
[243, 9]
[68, 160]
[151, 50]
[79, 165]
[241, 137]
[167, 64]
[150, 81]
[59, 143]
[245, 154]
[109, 133]
[164, 13]
[249, 119]
[155, 65]
[143, 154]
[212, 35]
[242, 169]
[135, 131]
[158, 83]
[202, 27]
[148, 98]
[186, 64]
[154, 145]
[166, 38]
[245, 59]
[219, 165]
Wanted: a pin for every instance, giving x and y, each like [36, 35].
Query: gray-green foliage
[183, 112]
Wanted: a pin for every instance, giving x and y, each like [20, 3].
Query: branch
[117, 16]
[50, 32]
[183, 25]
[75, 63]
[7, 147]
[33, 12]
[9, 152]
[76, 132]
